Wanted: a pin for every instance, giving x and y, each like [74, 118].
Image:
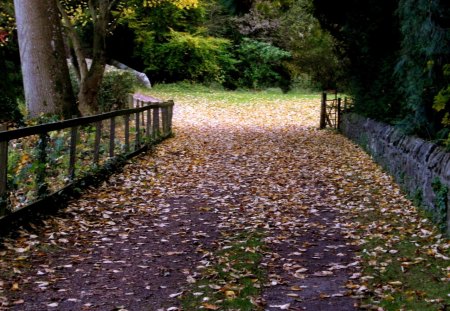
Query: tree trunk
[91, 78]
[89, 88]
[45, 73]
[90, 84]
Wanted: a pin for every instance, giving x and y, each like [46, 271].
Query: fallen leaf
[282, 307]
[210, 306]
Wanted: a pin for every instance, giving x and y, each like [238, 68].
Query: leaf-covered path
[145, 238]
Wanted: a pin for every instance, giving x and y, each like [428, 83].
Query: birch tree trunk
[45, 73]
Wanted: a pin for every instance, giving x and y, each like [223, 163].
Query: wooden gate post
[170, 115]
[164, 120]
[323, 110]
[112, 137]
[131, 101]
[156, 131]
[3, 173]
[137, 128]
[41, 171]
[126, 119]
[149, 125]
[339, 114]
[98, 137]
[73, 151]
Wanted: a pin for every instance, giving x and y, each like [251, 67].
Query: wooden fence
[38, 161]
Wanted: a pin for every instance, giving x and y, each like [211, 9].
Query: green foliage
[394, 52]
[180, 45]
[260, 65]
[286, 24]
[313, 49]
[114, 89]
[11, 85]
[441, 198]
[7, 22]
[9, 110]
[368, 39]
[149, 27]
[189, 57]
[424, 47]
[236, 7]
[171, 44]
[442, 105]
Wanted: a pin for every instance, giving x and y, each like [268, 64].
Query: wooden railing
[38, 161]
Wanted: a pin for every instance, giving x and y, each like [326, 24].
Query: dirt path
[140, 240]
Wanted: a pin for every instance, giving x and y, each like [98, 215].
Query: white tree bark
[44, 68]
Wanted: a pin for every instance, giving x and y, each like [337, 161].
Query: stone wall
[420, 167]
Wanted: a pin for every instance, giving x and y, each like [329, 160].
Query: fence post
[112, 136]
[170, 115]
[143, 115]
[131, 101]
[73, 150]
[164, 118]
[41, 174]
[138, 132]
[323, 110]
[3, 173]
[149, 125]
[98, 136]
[339, 113]
[156, 123]
[127, 132]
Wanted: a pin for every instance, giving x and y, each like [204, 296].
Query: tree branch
[79, 54]
[93, 11]
[111, 4]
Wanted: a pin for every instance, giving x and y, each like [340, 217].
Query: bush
[442, 106]
[261, 65]
[114, 90]
[9, 110]
[188, 57]
[11, 88]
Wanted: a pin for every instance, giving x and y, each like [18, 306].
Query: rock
[140, 76]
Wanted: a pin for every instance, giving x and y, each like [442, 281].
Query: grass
[234, 280]
[220, 95]
[413, 278]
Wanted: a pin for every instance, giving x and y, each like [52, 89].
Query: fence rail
[38, 161]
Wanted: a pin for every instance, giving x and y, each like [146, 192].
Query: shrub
[261, 65]
[188, 57]
[114, 90]
[442, 105]
[9, 110]
[11, 85]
